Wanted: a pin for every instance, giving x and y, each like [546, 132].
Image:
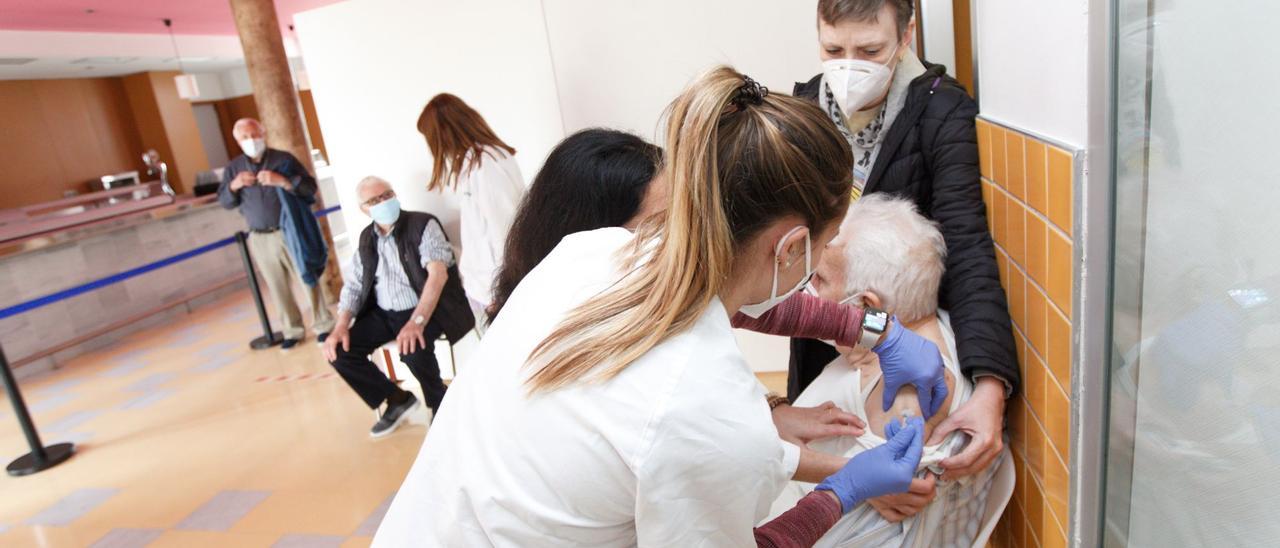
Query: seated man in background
[888, 256]
[404, 262]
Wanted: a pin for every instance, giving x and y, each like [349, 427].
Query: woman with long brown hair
[610, 404]
[468, 157]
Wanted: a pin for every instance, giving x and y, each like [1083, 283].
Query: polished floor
[186, 437]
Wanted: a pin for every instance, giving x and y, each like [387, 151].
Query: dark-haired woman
[468, 157]
[595, 178]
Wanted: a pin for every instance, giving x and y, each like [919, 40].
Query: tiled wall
[1027, 186]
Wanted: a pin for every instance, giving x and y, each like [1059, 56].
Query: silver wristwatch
[419, 319]
[874, 323]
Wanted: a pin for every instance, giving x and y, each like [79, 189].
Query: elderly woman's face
[829, 276]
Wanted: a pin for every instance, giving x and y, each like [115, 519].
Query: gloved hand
[908, 358]
[881, 470]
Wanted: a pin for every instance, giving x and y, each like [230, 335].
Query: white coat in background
[488, 197]
[677, 450]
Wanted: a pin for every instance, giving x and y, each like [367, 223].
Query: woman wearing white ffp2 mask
[911, 128]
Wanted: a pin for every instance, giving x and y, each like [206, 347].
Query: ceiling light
[187, 87]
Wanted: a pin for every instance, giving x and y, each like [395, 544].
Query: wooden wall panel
[188, 157]
[313, 121]
[963, 28]
[57, 135]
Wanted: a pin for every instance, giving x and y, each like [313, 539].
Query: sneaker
[322, 337]
[288, 343]
[393, 417]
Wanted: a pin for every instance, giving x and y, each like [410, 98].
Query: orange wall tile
[1061, 197]
[1059, 342]
[1028, 188]
[998, 155]
[1017, 294]
[1061, 273]
[1037, 249]
[1016, 225]
[1037, 320]
[1037, 187]
[984, 149]
[1015, 158]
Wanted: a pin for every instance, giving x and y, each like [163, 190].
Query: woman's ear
[870, 299]
[793, 247]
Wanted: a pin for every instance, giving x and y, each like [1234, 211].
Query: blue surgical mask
[386, 212]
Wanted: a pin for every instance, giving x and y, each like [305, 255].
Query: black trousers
[374, 329]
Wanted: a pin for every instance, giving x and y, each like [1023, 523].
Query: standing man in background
[274, 193]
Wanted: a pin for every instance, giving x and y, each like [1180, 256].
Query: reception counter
[94, 243]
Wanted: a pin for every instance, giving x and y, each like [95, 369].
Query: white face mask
[758, 309]
[253, 148]
[855, 82]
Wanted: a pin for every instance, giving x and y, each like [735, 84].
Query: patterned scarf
[865, 143]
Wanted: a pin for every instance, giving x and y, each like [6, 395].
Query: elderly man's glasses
[380, 198]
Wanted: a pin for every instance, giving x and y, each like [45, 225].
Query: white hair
[369, 181]
[893, 251]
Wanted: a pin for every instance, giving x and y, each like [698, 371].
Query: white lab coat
[488, 197]
[677, 450]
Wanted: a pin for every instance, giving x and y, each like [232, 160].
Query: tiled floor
[186, 437]
[181, 442]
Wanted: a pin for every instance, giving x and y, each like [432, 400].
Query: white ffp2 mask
[758, 309]
[855, 82]
[253, 148]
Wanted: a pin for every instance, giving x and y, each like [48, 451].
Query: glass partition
[1194, 433]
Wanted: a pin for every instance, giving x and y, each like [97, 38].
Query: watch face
[877, 321]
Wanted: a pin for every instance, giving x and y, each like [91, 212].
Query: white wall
[619, 63]
[937, 23]
[373, 64]
[1032, 71]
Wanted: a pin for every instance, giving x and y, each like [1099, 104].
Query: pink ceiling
[135, 16]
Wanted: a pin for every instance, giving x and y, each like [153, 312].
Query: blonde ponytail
[732, 167]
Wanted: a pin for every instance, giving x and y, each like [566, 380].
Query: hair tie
[751, 93]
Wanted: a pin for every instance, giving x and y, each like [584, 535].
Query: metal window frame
[1095, 254]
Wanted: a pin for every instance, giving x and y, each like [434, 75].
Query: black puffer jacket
[930, 156]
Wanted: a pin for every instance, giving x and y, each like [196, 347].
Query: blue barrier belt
[122, 276]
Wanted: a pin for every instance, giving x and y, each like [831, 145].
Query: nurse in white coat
[609, 404]
[467, 155]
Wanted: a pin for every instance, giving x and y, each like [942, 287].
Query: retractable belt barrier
[122, 276]
[41, 457]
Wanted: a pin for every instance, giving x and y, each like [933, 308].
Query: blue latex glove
[908, 358]
[880, 470]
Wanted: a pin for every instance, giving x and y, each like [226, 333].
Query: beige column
[275, 95]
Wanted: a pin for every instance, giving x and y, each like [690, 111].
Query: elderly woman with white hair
[888, 256]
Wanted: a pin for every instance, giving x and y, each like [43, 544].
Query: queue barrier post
[41, 457]
[269, 338]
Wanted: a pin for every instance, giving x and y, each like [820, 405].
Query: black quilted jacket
[930, 156]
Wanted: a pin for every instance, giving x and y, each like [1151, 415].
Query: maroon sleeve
[801, 526]
[806, 316]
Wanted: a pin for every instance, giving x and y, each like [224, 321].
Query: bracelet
[775, 400]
